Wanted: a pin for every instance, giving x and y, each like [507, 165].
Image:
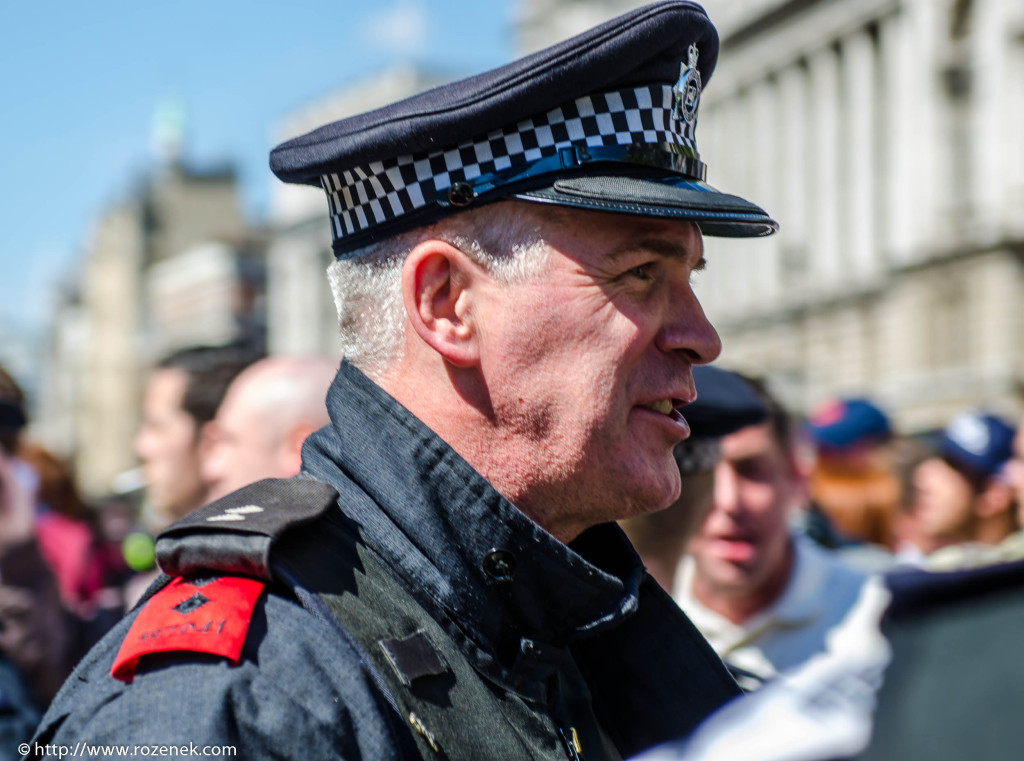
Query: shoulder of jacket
[234, 535]
[218, 558]
[290, 667]
[917, 592]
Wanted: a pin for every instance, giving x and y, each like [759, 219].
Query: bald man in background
[266, 415]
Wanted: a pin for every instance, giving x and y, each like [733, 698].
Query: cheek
[760, 501]
[714, 520]
[948, 494]
[582, 365]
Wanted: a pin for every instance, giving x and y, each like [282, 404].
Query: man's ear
[207, 437]
[291, 447]
[435, 288]
[995, 499]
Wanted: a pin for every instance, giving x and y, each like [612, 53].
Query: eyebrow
[660, 246]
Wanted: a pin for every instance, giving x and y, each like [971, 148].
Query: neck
[994, 529]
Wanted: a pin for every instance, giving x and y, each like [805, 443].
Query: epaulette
[209, 615]
[219, 558]
[234, 534]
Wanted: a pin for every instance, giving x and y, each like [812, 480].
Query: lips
[733, 549]
[668, 409]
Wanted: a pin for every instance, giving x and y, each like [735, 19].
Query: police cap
[725, 403]
[604, 121]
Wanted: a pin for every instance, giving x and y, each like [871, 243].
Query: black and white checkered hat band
[366, 196]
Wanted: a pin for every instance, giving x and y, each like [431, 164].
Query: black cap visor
[672, 196]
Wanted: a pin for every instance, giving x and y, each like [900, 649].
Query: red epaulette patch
[202, 616]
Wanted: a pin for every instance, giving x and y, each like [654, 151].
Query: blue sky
[80, 83]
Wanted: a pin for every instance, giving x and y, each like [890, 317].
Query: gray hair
[504, 238]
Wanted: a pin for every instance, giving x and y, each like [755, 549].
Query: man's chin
[727, 577]
[661, 490]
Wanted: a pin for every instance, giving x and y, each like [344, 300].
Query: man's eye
[754, 470]
[641, 271]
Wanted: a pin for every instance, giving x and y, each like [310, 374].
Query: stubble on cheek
[520, 418]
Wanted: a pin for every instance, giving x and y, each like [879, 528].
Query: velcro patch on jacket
[201, 616]
[413, 657]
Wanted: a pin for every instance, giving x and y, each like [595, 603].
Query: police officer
[514, 255]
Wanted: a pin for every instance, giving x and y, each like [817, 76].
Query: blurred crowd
[774, 549]
[801, 547]
[782, 521]
[214, 418]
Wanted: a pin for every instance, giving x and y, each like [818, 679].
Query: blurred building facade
[171, 265]
[884, 135]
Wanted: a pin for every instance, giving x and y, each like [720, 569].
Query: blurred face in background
[169, 446]
[252, 440]
[1015, 472]
[742, 547]
[944, 505]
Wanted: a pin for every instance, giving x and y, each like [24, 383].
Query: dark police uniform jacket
[425, 618]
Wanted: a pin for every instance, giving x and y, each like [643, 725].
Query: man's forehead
[688, 248]
[619, 236]
[752, 441]
[167, 382]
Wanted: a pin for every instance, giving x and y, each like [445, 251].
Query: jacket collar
[439, 524]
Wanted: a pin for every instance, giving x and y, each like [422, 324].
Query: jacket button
[500, 565]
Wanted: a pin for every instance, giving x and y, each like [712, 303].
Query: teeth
[664, 406]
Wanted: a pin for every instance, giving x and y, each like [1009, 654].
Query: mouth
[664, 406]
[670, 409]
[734, 548]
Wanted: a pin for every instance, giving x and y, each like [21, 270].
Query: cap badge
[687, 90]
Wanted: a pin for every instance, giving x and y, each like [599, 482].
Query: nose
[726, 493]
[688, 330]
[141, 443]
[924, 474]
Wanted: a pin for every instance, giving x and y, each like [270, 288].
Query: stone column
[824, 157]
[296, 292]
[730, 162]
[1013, 134]
[860, 168]
[793, 196]
[765, 160]
[990, 133]
[900, 101]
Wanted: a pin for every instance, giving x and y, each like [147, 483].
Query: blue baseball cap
[604, 121]
[844, 423]
[977, 442]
